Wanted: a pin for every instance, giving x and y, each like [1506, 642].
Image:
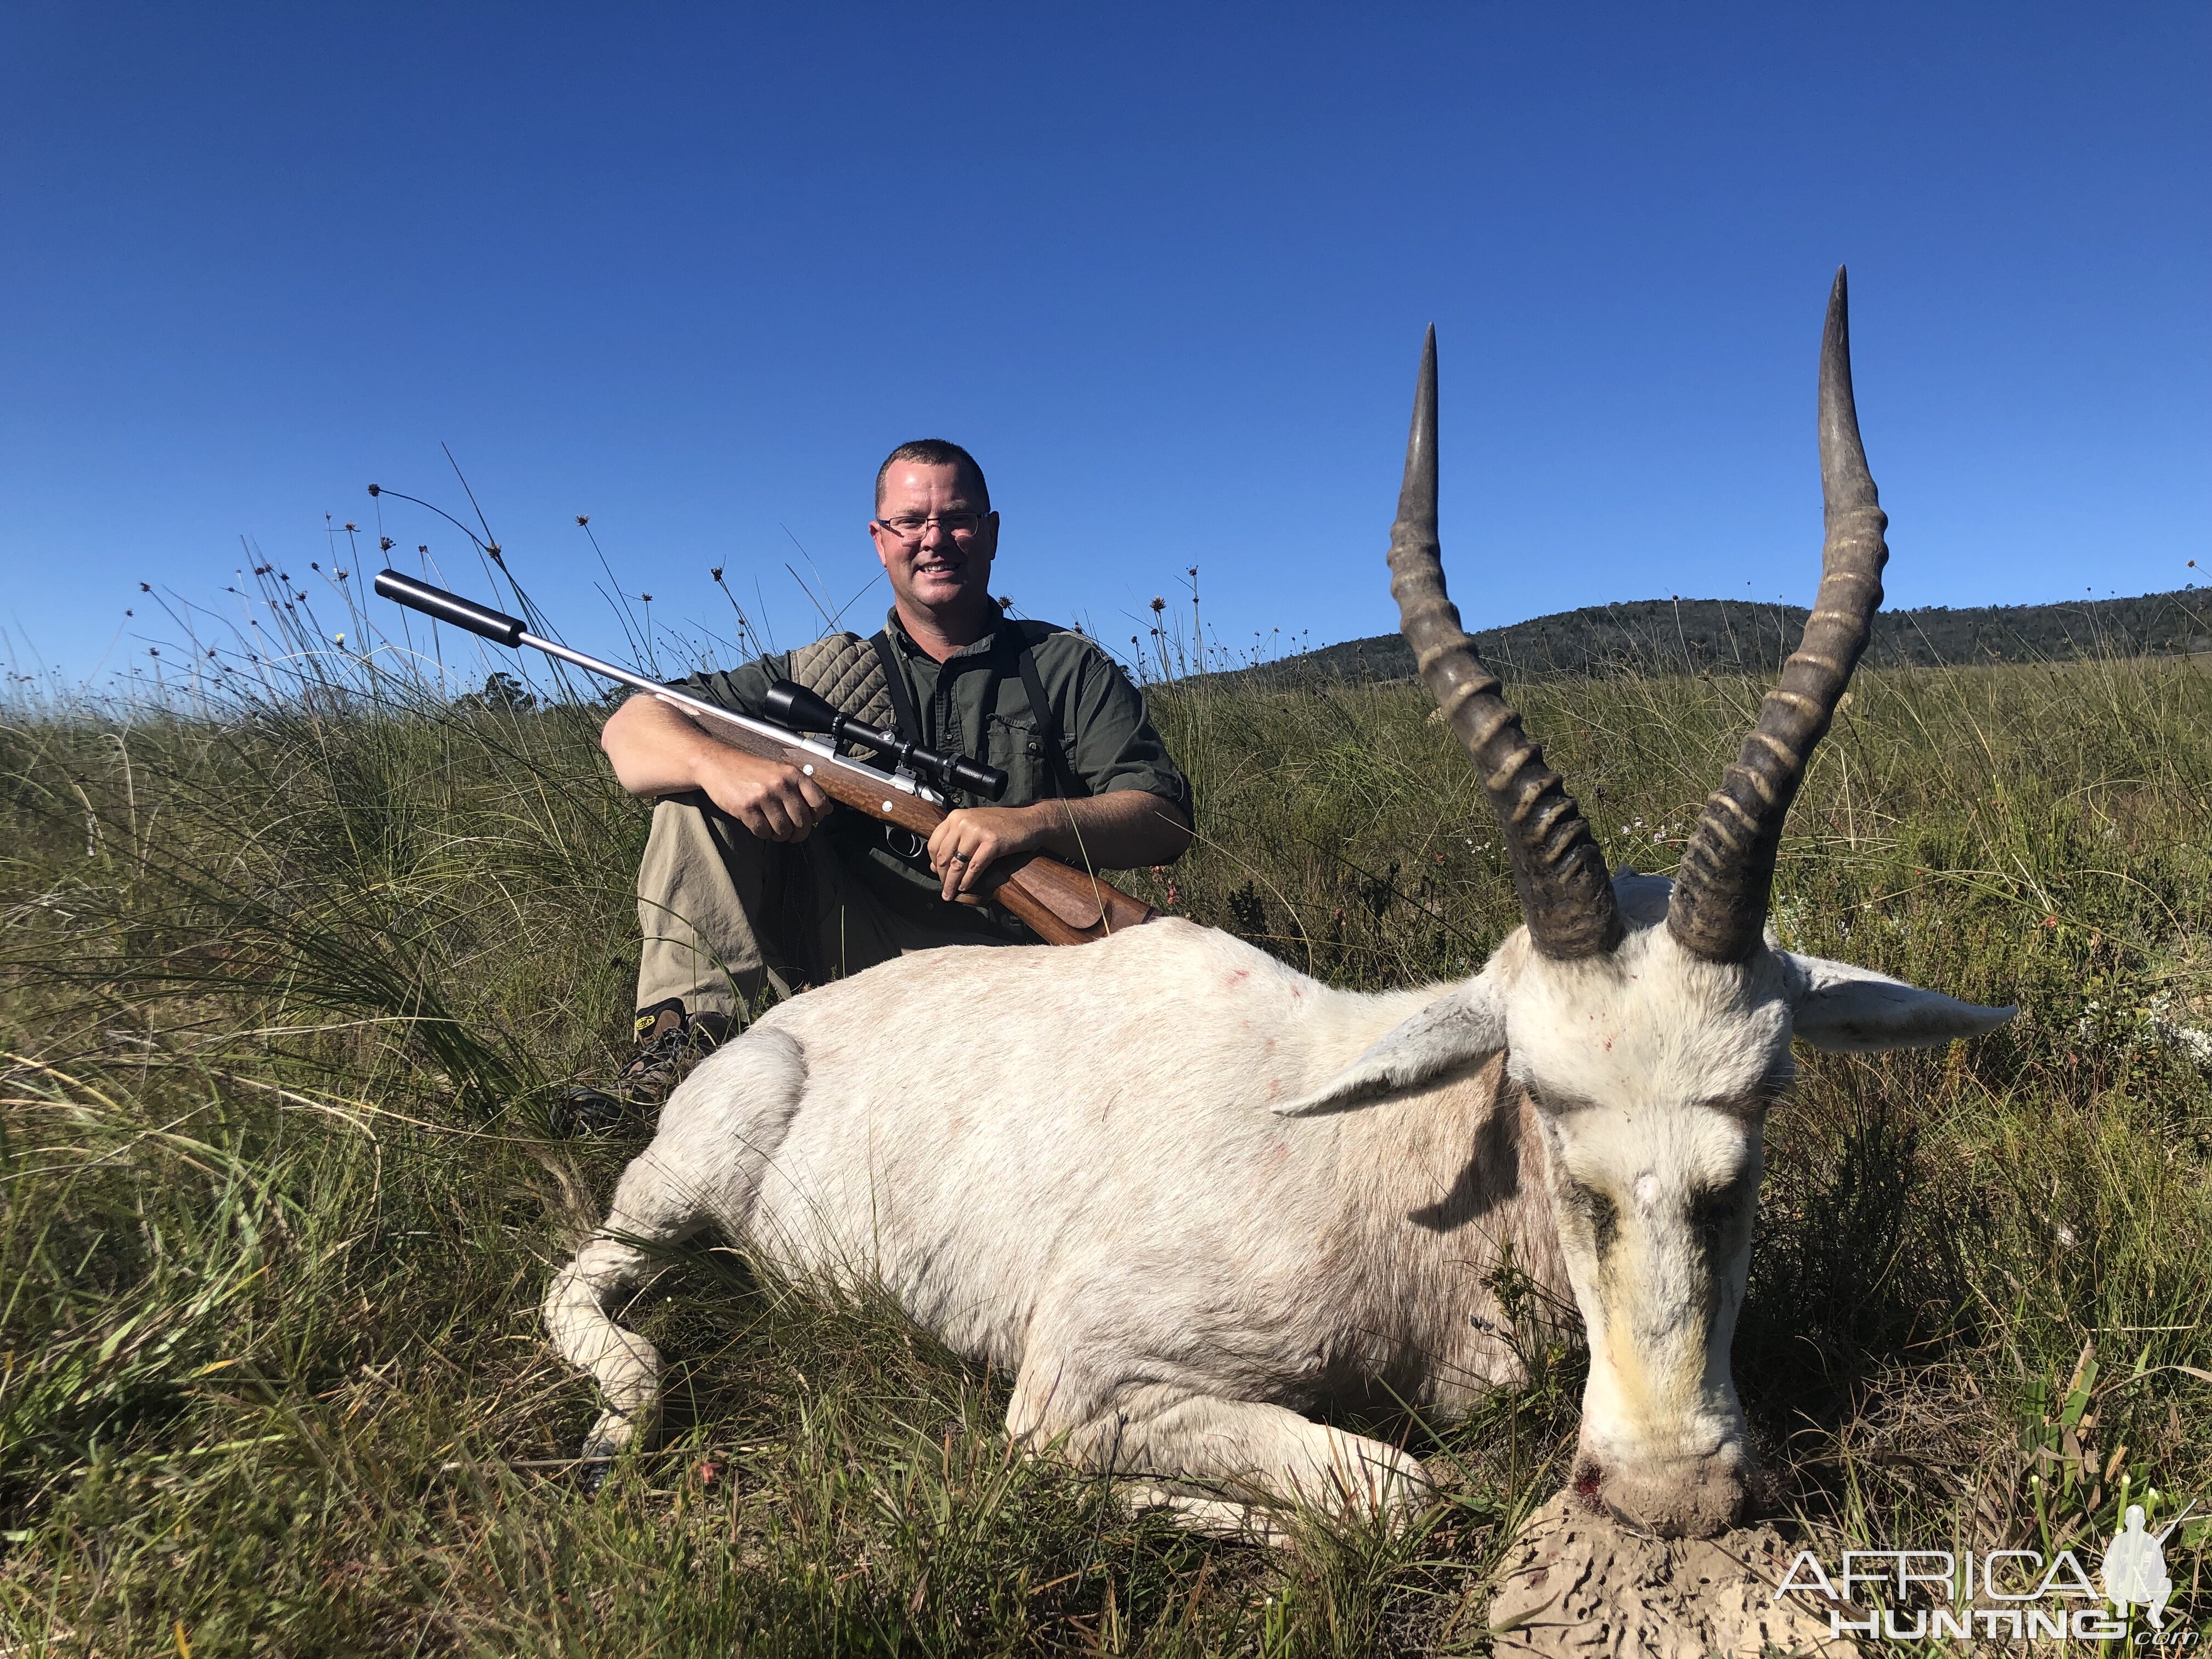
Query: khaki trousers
[726, 915]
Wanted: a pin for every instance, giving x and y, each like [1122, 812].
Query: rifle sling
[1066, 785]
[903, 713]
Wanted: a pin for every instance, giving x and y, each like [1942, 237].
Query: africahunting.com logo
[2002, 1595]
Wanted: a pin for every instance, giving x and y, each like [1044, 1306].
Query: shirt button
[1035, 748]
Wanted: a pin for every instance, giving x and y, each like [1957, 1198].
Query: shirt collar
[978, 649]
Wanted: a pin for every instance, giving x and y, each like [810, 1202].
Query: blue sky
[692, 270]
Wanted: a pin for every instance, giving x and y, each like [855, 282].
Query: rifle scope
[794, 705]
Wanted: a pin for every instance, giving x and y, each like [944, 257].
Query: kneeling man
[738, 894]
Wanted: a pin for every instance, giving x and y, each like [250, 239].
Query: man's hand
[1114, 831]
[774, 801]
[659, 750]
[971, 840]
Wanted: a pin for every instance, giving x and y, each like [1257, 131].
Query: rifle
[1061, 905]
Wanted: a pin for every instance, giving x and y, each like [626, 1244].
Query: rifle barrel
[513, 632]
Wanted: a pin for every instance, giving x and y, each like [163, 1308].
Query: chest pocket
[1017, 749]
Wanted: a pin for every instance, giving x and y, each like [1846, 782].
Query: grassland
[289, 963]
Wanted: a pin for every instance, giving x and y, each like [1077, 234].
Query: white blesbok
[1185, 1194]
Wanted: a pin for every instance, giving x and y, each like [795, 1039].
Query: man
[738, 893]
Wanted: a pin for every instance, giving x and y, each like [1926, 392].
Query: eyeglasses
[909, 530]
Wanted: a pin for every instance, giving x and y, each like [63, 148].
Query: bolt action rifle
[1061, 905]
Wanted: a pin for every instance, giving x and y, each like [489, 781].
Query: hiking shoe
[581, 1109]
[670, 1043]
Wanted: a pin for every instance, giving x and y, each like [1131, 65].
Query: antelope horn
[1565, 898]
[1719, 908]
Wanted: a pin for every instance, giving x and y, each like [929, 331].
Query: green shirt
[973, 703]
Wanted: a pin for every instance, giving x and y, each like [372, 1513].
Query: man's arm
[1115, 831]
[656, 750]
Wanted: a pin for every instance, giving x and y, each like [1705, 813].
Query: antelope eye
[1714, 1215]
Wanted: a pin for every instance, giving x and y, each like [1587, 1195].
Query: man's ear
[1464, 1025]
[1836, 1005]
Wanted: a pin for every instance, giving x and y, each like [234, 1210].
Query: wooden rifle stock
[1061, 904]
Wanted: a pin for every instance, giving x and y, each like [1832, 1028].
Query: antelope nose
[1682, 1497]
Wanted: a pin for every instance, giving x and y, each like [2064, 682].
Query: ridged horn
[1719, 908]
[1565, 898]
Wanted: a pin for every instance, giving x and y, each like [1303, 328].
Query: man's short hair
[937, 452]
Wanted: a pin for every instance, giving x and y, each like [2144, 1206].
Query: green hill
[1674, 636]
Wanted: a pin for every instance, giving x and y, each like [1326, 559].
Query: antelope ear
[1837, 1005]
[1464, 1025]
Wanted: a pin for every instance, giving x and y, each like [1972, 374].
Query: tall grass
[294, 949]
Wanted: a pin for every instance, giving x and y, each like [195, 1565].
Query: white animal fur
[1185, 1193]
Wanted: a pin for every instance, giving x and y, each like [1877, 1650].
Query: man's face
[933, 568]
